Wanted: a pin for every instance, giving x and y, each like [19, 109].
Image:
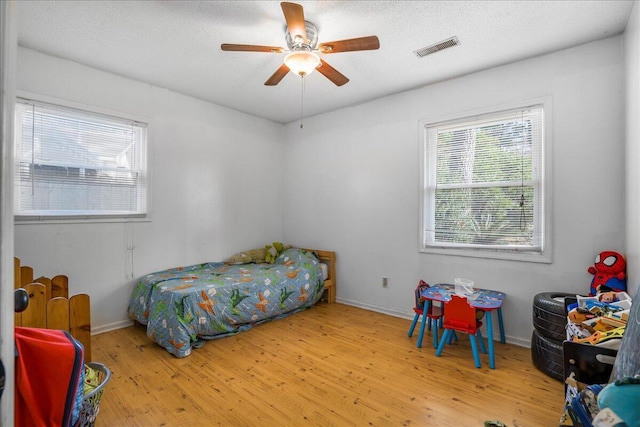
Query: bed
[184, 306]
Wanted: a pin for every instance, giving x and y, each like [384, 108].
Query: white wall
[365, 162]
[632, 113]
[209, 196]
[213, 188]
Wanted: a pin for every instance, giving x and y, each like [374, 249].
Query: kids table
[486, 300]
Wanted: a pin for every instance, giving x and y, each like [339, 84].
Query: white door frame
[8, 59]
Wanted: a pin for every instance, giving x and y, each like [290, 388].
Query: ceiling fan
[302, 40]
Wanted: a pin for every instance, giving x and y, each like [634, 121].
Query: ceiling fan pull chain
[302, 103]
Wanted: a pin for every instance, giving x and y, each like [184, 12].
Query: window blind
[483, 181]
[70, 162]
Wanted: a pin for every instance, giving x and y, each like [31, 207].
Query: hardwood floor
[331, 365]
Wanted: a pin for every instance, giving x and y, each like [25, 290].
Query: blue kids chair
[434, 315]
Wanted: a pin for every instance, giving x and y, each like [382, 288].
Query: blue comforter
[182, 306]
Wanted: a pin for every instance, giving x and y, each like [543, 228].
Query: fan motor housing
[309, 44]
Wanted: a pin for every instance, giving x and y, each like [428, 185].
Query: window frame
[544, 255]
[63, 218]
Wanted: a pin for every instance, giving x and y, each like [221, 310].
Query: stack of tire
[549, 322]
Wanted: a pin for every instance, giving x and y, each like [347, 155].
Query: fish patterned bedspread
[185, 305]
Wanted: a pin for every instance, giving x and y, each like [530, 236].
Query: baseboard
[376, 308]
[519, 342]
[409, 316]
[111, 327]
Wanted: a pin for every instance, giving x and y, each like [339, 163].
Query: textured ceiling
[176, 44]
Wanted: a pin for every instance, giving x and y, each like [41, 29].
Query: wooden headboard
[329, 258]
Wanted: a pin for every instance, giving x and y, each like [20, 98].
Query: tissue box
[464, 288]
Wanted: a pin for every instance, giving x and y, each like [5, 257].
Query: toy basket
[91, 401]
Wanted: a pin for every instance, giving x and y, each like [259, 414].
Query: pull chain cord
[129, 242]
[302, 101]
[523, 215]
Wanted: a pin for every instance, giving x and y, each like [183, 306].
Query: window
[483, 183]
[78, 164]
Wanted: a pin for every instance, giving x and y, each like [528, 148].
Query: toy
[91, 379]
[274, 250]
[579, 314]
[601, 308]
[600, 336]
[609, 273]
[267, 254]
[622, 398]
[247, 257]
[607, 297]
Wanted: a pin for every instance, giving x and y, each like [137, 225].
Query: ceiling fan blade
[277, 76]
[294, 15]
[331, 73]
[250, 48]
[350, 45]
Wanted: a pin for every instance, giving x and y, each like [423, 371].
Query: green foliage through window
[482, 181]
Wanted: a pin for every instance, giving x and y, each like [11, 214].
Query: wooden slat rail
[26, 275]
[80, 321]
[47, 284]
[35, 314]
[58, 313]
[50, 306]
[59, 286]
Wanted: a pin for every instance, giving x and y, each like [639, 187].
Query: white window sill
[77, 220]
[544, 257]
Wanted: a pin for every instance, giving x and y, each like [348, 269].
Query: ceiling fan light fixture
[302, 62]
[302, 40]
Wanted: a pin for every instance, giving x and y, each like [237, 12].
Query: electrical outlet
[385, 282]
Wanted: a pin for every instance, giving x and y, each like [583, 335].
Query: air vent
[444, 44]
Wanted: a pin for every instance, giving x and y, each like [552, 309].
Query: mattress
[183, 306]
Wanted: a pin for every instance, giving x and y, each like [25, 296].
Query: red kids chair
[460, 316]
[434, 313]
